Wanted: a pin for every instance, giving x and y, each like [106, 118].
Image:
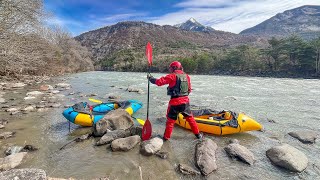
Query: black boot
[162, 137]
[199, 136]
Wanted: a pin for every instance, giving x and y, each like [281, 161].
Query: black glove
[151, 78]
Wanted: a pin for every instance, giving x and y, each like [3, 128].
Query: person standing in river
[179, 88]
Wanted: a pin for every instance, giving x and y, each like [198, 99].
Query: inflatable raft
[85, 115]
[221, 123]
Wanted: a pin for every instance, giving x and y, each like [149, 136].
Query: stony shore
[124, 137]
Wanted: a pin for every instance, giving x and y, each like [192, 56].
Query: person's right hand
[151, 78]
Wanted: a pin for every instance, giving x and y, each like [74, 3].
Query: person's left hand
[149, 76]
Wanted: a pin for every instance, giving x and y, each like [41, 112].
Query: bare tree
[20, 16]
[28, 46]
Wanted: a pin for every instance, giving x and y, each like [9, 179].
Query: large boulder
[119, 119]
[112, 135]
[235, 150]
[11, 161]
[151, 146]
[100, 128]
[125, 144]
[288, 157]
[20, 174]
[205, 156]
[136, 130]
[114, 120]
[305, 136]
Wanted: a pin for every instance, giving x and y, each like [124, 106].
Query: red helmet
[176, 65]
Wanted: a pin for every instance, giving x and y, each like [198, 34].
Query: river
[292, 103]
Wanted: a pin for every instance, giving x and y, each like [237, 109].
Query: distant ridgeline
[204, 50]
[303, 21]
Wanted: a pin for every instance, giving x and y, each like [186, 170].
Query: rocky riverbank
[29, 94]
[118, 133]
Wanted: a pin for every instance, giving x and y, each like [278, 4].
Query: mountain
[193, 25]
[304, 21]
[125, 41]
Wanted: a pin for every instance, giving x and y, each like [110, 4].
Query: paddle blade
[146, 130]
[95, 100]
[140, 121]
[149, 53]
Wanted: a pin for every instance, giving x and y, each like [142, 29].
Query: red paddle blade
[149, 53]
[146, 130]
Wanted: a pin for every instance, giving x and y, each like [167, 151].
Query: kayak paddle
[140, 121]
[147, 128]
[95, 100]
[100, 102]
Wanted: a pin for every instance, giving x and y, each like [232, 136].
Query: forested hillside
[121, 47]
[287, 57]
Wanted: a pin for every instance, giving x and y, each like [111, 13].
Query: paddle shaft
[147, 128]
[148, 99]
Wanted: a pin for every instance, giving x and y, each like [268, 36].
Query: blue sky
[78, 16]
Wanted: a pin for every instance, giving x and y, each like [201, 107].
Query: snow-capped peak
[194, 25]
[192, 20]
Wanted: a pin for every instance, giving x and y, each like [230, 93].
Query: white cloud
[230, 15]
[97, 22]
[93, 22]
[209, 3]
[120, 17]
[75, 27]
[62, 22]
